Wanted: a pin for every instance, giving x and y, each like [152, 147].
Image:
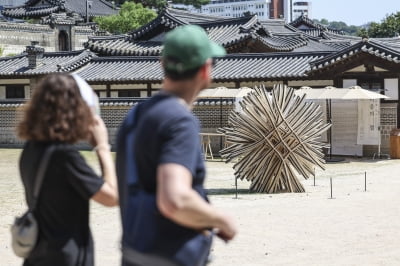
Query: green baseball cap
[188, 47]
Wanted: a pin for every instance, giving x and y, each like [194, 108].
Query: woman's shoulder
[38, 148]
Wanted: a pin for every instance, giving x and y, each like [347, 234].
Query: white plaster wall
[103, 94]
[2, 92]
[27, 90]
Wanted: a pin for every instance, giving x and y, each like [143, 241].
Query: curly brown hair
[56, 112]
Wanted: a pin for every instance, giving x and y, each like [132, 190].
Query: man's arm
[179, 202]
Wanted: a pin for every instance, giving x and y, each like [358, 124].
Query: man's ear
[205, 70]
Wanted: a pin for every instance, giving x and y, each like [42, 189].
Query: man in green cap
[177, 229]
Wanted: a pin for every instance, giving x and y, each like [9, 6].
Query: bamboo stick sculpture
[275, 137]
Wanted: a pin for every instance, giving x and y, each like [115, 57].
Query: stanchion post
[236, 187]
[331, 188]
[314, 176]
[365, 181]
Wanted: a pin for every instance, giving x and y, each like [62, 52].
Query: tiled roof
[277, 25]
[337, 45]
[170, 18]
[99, 7]
[366, 46]
[37, 8]
[119, 45]
[272, 66]
[147, 40]
[392, 43]
[316, 45]
[305, 24]
[50, 63]
[132, 101]
[62, 19]
[339, 37]
[29, 12]
[284, 41]
[25, 27]
[126, 68]
[242, 34]
[191, 18]
[232, 67]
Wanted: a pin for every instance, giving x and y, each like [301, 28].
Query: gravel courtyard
[353, 228]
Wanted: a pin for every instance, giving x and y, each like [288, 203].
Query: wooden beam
[108, 90]
[149, 89]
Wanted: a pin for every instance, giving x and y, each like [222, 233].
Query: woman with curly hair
[61, 113]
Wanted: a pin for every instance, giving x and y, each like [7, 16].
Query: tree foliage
[131, 16]
[389, 27]
[339, 25]
[159, 4]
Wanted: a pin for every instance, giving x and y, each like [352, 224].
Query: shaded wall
[14, 37]
[212, 114]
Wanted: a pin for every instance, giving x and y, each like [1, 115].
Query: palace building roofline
[366, 46]
[307, 25]
[40, 8]
[244, 34]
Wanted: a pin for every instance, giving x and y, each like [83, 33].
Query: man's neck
[185, 90]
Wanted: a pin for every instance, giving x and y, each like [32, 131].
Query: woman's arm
[108, 193]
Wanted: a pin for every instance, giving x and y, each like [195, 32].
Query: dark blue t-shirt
[167, 132]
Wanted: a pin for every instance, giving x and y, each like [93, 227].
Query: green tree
[363, 32]
[324, 21]
[389, 27]
[131, 16]
[339, 25]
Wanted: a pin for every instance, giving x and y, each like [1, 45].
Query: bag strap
[122, 166]
[40, 175]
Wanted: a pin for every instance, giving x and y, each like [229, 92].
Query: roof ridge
[355, 48]
[174, 10]
[84, 57]
[5, 58]
[159, 20]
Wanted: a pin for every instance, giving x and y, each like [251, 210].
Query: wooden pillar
[108, 90]
[149, 89]
[237, 84]
[398, 102]
[338, 82]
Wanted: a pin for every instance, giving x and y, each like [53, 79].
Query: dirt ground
[353, 228]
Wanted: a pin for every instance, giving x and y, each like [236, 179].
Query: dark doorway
[63, 42]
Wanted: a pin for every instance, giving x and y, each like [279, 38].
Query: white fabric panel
[368, 122]
[392, 88]
[322, 103]
[344, 128]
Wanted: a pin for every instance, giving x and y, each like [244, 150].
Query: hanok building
[59, 25]
[259, 52]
